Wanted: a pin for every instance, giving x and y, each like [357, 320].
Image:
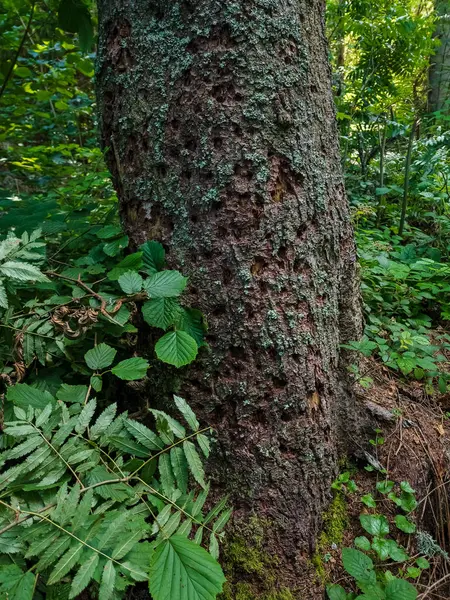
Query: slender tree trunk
[439, 74]
[219, 120]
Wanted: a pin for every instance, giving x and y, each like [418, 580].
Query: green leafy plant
[368, 563]
[95, 498]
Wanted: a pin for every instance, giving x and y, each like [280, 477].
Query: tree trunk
[439, 74]
[220, 124]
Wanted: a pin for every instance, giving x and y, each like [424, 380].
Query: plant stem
[19, 50]
[406, 182]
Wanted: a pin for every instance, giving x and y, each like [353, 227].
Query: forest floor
[416, 432]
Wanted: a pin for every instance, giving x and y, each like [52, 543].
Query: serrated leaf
[204, 444]
[131, 369]
[84, 575]
[29, 445]
[65, 563]
[22, 271]
[154, 256]
[3, 296]
[165, 284]
[187, 413]
[53, 552]
[85, 416]
[113, 248]
[192, 321]
[179, 467]
[132, 262]
[25, 395]
[167, 478]
[399, 589]
[160, 312]
[83, 511]
[129, 540]
[103, 421]
[72, 393]
[168, 424]
[358, 565]
[96, 383]
[44, 415]
[129, 446]
[100, 357]
[131, 282]
[108, 581]
[144, 435]
[222, 520]
[194, 462]
[362, 542]
[176, 348]
[182, 570]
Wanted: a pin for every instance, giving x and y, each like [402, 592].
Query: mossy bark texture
[220, 128]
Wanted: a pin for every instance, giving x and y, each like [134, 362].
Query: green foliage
[90, 497]
[368, 563]
[83, 493]
[406, 296]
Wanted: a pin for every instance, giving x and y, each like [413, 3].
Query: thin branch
[19, 50]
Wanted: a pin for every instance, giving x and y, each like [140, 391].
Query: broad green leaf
[109, 231]
[24, 395]
[192, 321]
[160, 312]
[375, 524]
[165, 284]
[154, 256]
[404, 524]
[381, 546]
[358, 565]
[96, 383]
[132, 262]
[194, 462]
[131, 369]
[399, 589]
[176, 348]
[113, 248]
[131, 282]
[336, 592]
[100, 357]
[84, 575]
[108, 581]
[362, 542]
[72, 393]
[182, 570]
[422, 563]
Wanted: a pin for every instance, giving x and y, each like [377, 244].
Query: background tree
[439, 75]
[220, 126]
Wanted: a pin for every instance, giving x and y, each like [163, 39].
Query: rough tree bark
[220, 124]
[439, 73]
